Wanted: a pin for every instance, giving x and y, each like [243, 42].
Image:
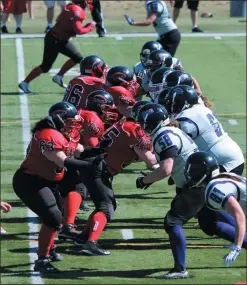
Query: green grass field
[220, 67]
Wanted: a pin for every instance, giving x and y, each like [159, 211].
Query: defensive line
[26, 137]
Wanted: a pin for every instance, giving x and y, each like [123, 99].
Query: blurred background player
[57, 40]
[15, 7]
[5, 207]
[30, 9]
[50, 4]
[97, 15]
[158, 15]
[193, 7]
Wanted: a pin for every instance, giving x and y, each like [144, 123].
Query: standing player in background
[96, 12]
[50, 4]
[57, 40]
[15, 7]
[157, 14]
[193, 7]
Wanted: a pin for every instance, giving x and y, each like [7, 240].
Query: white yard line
[233, 122]
[127, 234]
[129, 35]
[25, 120]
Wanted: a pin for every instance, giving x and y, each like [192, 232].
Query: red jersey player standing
[55, 140]
[57, 40]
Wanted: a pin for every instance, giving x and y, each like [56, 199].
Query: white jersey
[203, 127]
[166, 137]
[220, 189]
[163, 23]
[176, 63]
[142, 73]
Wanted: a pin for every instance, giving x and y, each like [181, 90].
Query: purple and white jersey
[207, 132]
[219, 190]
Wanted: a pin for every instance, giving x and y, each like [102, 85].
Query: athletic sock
[86, 229]
[97, 225]
[33, 74]
[71, 204]
[46, 240]
[67, 66]
[178, 244]
[228, 232]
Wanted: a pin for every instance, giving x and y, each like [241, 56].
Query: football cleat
[18, 31]
[175, 274]
[4, 30]
[59, 80]
[68, 232]
[43, 265]
[54, 256]
[197, 30]
[47, 29]
[24, 87]
[2, 231]
[92, 248]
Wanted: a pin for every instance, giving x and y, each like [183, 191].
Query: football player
[172, 148]
[124, 143]
[203, 127]
[158, 15]
[223, 191]
[92, 69]
[57, 40]
[54, 143]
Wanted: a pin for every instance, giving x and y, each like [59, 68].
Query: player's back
[203, 127]
[122, 137]
[219, 189]
[167, 137]
[80, 87]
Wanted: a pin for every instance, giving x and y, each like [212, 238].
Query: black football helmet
[65, 117]
[147, 48]
[93, 65]
[157, 59]
[161, 98]
[200, 167]
[102, 103]
[81, 3]
[179, 98]
[151, 116]
[137, 106]
[157, 81]
[119, 76]
[178, 77]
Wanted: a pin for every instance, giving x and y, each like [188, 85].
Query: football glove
[129, 20]
[140, 184]
[231, 257]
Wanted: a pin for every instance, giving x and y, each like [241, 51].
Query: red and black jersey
[43, 140]
[93, 128]
[69, 22]
[122, 137]
[80, 87]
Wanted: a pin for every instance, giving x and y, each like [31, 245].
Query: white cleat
[173, 274]
[24, 87]
[59, 80]
[2, 231]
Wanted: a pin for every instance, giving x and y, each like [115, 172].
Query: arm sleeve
[142, 140]
[80, 30]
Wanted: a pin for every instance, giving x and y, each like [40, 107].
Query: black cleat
[101, 34]
[92, 248]
[80, 241]
[19, 31]
[43, 265]
[197, 30]
[54, 256]
[47, 29]
[68, 232]
[4, 30]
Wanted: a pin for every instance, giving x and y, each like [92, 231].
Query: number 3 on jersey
[73, 94]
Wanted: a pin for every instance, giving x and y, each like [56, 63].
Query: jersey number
[43, 145]
[216, 125]
[110, 135]
[73, 94]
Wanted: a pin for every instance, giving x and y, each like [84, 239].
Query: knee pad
[53, 218]
[108, 209]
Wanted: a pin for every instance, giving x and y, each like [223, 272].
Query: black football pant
[53, 46]
[40, 196]
[170, 41]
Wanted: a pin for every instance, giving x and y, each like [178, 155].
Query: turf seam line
[26, 137]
